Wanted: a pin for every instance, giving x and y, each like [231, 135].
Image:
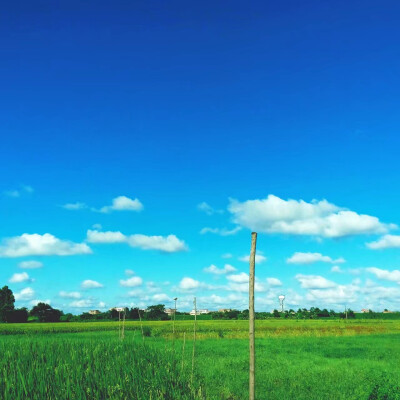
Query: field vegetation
[302, 359]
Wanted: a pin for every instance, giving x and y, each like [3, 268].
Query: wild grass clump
[90, 367]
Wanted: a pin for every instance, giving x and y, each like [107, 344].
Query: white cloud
[129, 272]
[41, 245]
[161, 297]
[189, 284]
[340, 294]
[337, 269]
[221, 231]
[314, 282]
[384, 274]
[374, 293]
[75, 206]
[310, 258]
[297, 217]
[385, 242]
[24, 294]
[227, 255]
[123, 203]
[94, 236]
[274, 282]
[102, 304]
[212, 269]
[20, 277]
[259, 258]
[69, 295]
[25, 189]
[12, 193]
[84, 303]
[238, 278]
[89, 284]
[167, 244]
[131, 282]
[243, 287]
[208, 209]
[30, 264]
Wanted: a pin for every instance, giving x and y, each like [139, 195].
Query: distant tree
[67, 317]
[276, 314]
[7, 301]
[45, 313]
[133, 313]
[19, 315]
[156, 312]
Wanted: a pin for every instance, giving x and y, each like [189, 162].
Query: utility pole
[252, 262]
[173, 329]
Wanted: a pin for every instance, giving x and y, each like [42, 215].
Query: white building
[199, 312]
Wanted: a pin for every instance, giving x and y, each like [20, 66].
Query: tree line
[43, 312]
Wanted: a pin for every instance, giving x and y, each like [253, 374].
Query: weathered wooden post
[194, 340]
[252, 263]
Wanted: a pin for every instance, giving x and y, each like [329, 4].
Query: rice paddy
[294, 360]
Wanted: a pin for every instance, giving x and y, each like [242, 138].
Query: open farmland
[301, 360]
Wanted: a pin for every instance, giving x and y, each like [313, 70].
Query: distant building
[225, 309]
[365, 310]
[94, 312]
[199, 312]
[170, 311]
[118, 309]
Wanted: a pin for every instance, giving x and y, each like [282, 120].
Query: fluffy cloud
[41, 245]
[384, 274]
[385, 242]
[297, 217]
[30, 264]
[69, 295]
[227, 255]
[89, 284]
[134, 281]
[274, 282]
[20, 277]
[212, 269]
[337, 269]
[259, 258]
[24, 294]
[206, 208]
[84, 303]
[94, 236]
[75, 206]
[339, 294]
[159, 297]
[123, 203]
[166, 244]
[221, 231]
[239, 278]
[310, 258]
[189, 285]
[18, 193]
[314, 282]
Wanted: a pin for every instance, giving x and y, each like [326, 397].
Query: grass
[294, 360]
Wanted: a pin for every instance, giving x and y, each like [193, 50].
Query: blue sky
[127, 129]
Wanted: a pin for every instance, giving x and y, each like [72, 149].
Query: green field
[294, 360]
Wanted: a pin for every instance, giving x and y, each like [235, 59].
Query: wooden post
[251, 316]
[194, 340]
